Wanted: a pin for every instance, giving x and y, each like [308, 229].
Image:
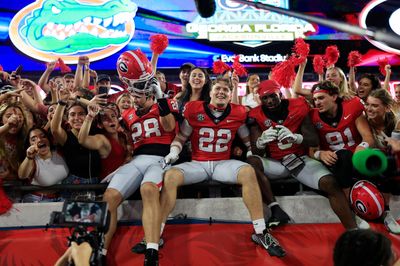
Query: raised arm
[45, 76]
[59, 134]
[386, 84]
[298, 81]
[28, 165]
[96, 142]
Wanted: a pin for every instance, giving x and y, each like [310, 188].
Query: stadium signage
[383, 15]
[239, 22]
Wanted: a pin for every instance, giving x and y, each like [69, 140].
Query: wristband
[364, 144]
[62, 103]
[30, 158]
[317, 155]
[163, 107]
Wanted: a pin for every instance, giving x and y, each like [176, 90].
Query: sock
[152, 245]
[259, 225]
[272, 204]
[162, 228]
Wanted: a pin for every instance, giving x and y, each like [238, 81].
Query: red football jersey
[298, 110]
[212, 137]
[147, 129]
[345, 135]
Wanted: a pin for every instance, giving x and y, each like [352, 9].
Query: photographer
[78, 254]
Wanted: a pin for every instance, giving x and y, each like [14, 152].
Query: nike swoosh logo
[347, 116]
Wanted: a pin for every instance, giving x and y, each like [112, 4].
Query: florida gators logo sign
[49, 29]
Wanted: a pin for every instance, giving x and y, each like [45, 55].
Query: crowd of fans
[67, 129]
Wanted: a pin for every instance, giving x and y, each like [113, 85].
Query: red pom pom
[331, 55]
[318, 64]
[1, 68]
[159, 43]
[301, 49]
[284, 72]
[220, 67]
[5, 202]
[354, 58]
[63, 67]
[382, 62]
[238, 68]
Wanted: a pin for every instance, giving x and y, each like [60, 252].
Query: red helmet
[366, 200]
[133, 66]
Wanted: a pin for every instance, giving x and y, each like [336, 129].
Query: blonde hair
[343, 86]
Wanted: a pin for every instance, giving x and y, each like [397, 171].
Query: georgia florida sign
[49, 29]
[239, 22]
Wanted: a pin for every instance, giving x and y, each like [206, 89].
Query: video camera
[89, 220]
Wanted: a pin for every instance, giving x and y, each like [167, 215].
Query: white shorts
[310, 175]
[141, 169]
[225, 171]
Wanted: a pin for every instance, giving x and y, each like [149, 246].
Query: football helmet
[134, 66]
[149, 88]
[366, 200]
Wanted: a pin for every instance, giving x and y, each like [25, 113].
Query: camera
[89, 221]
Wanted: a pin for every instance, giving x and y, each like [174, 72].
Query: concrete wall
[302, 208]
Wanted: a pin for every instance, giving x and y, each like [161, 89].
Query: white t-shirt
[50, 171]
[248, 100]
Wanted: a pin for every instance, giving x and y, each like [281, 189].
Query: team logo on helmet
[123, 67]
[366, 200]
[133, 67]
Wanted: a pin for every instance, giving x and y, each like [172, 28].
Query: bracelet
[364, 144]
[90, 117]
[30, 158]
[317, 155]
[62, 103]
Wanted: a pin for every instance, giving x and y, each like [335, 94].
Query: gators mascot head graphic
[49, 29]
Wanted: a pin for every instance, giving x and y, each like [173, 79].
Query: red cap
[267, 87]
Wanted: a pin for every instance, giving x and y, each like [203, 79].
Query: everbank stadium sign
[239, 22]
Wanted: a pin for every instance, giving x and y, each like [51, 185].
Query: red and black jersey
[212, 137]
[344, 135]
[146, 130]
[297, 110]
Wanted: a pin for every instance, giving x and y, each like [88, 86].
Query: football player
[343, 130]
[152, 127]
[282, 126]
[211, 128]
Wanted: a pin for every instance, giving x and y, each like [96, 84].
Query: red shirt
[298, 110]
[212, 137]
[147, 129]
[345, 135]
[114, 160]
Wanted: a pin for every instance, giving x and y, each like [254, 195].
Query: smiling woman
[42, 165]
